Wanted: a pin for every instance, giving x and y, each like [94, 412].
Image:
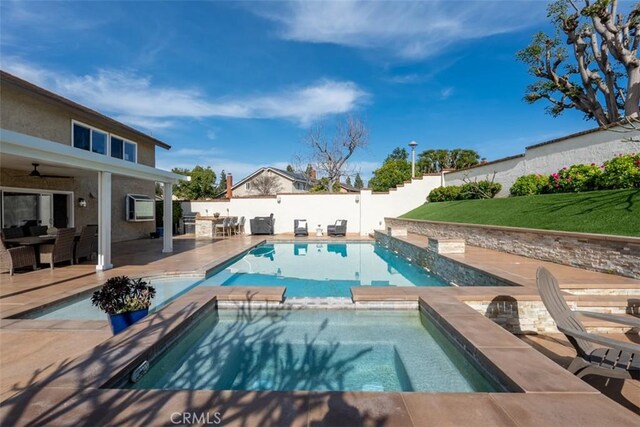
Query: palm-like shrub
[122, 294]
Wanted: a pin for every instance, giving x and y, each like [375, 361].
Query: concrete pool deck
[46, 350]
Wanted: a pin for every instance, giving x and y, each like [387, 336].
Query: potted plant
[216, 215]
[125, 300]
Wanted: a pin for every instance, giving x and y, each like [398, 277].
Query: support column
[167, 239]
[104, 221]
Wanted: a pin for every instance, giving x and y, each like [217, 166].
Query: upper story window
[123, 149]
[247, 186]
[91, 139]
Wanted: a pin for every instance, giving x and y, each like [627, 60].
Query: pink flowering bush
[528, 185]
[574, 179]
[622, 171]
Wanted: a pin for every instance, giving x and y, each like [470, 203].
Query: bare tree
[331, 152]
[266, 184]
[603, 78]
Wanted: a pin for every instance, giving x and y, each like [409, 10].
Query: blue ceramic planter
[120, 322]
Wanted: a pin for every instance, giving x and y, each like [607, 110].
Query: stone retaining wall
[446, 268]
[609, 254]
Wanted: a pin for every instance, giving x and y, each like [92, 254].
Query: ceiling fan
[36, 173]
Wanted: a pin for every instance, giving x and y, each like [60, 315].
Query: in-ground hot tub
[322, 350]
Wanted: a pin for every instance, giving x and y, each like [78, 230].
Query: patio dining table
[31, 240]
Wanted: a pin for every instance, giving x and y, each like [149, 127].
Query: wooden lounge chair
[300, 227]
[617, 360]
[337, 229]
[61, 250]
[21, 256]
[86, 245]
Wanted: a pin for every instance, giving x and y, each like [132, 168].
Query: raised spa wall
[449, 270]
[604, 253]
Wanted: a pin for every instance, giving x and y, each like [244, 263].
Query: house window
[89, 139]
[247, 186]
[123, 149]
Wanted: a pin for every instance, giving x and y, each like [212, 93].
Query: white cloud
[211, 134]
[138, 100]
[446, 92]
[409, 30]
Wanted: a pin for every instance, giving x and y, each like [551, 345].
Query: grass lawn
[605, 212]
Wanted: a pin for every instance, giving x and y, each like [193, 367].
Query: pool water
[346, 350]
[80, 308]
[310, 269]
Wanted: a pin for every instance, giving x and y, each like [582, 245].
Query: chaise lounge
[617, 360]
[337, 229]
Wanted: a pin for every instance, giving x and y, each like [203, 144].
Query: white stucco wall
[364, 211]
[546, 159]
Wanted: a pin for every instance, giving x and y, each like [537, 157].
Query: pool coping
[74, 394]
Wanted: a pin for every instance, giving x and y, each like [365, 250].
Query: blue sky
[236, 85]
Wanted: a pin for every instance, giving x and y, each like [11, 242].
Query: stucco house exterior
[283, 182]
[65, 165]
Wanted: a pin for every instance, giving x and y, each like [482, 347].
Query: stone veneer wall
[446, 268]
[608, 254]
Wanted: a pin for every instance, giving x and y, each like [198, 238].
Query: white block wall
[364, 212]
[546, 159]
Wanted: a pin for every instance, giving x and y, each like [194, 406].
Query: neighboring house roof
[80, 110]
[291, 176]
[349, 188]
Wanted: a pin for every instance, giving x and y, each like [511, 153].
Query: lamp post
[413, 145]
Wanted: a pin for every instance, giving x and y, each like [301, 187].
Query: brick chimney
[229, 186]
[312, 174]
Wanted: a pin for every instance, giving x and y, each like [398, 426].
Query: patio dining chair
[617, 359]
[85, 246]
[240, 228]
[60, 250]
[18, 257]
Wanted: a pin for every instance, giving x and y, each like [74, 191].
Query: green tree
[434, 160]
[601, 76]
[322, 186]
[398, 154]
[348, 181]
[290, 169]
[392, 173]
[357, 182]
[201, 185]
[222, 184]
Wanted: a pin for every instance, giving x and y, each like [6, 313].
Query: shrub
[121, 295]
[529, 185]
[574, 179]
[480, 190]
[444, 194]
[621, 172]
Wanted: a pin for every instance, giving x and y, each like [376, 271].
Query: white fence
[547, 158]
[364, 212]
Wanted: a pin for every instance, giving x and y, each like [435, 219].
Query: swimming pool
[317, 269]
[80, 308]
[324, 350]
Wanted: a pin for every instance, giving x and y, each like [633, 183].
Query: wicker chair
[12, 258]
[61, 250]
[85, 246]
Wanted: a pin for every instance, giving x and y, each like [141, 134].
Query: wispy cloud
[446, 92]
[408, 30]
[139, 101]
